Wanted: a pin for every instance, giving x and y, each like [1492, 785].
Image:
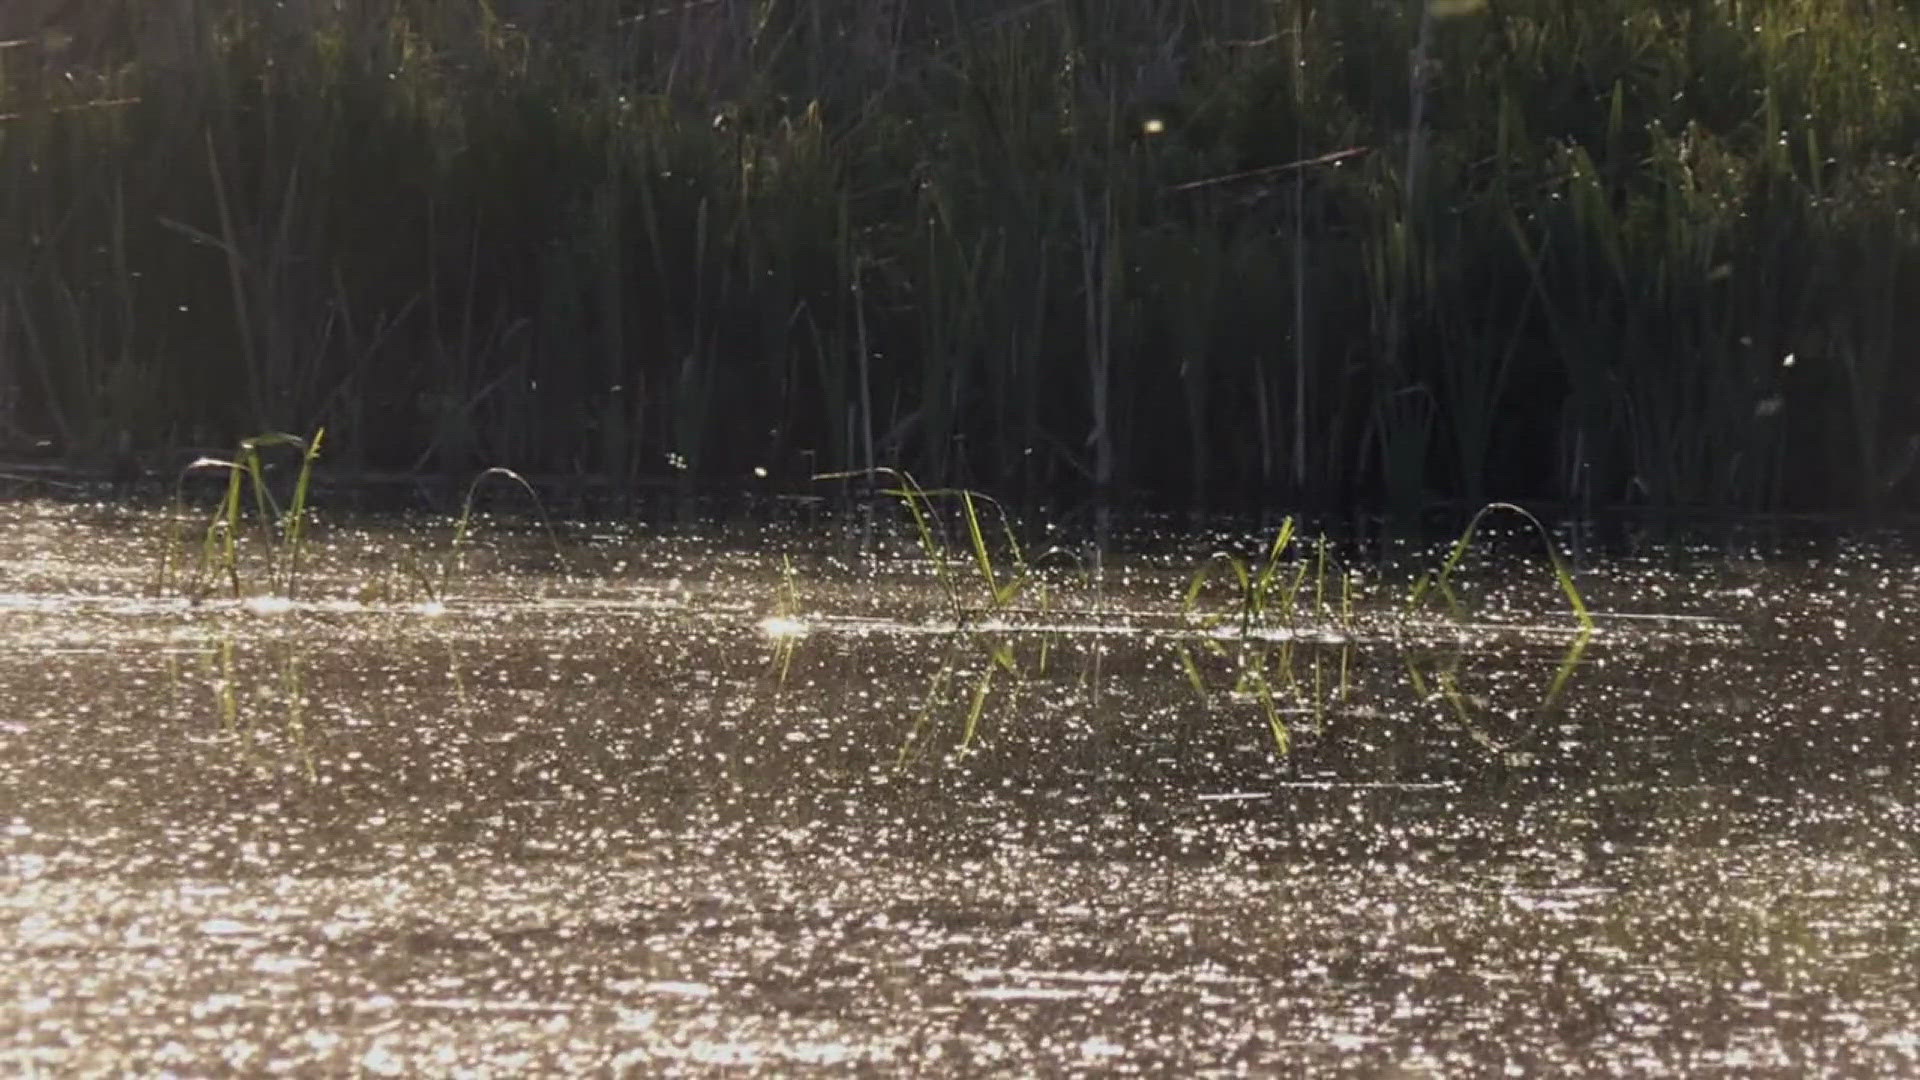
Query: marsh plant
[1290, 598]
[438, 576]
[999, 588]
[282, 533]
[1215, 252]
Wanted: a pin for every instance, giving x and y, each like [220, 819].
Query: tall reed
[1205, 252]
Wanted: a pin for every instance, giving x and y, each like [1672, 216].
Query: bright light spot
[682, 989]
[781, 627]
[268, 605]
[1154, 126]
[760, 471]
[381, 1061]
[280, 965]
[1788, 362]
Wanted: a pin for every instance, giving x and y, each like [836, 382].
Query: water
[593, 816]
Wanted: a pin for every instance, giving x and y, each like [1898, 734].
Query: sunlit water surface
[599, 814]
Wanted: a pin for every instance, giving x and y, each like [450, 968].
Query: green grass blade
[1561, 573]
[464, 524]
[297, 510]
[229, 520]
[983, 559]
[1205, 574]
[1257, 595]
[1320, 578]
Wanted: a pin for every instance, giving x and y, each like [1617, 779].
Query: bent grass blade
[1443, 582]
[919, 503]
[465, 523]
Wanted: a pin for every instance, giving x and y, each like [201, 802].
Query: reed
[1214, 253]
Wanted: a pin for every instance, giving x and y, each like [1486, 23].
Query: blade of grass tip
[266, 512]
[1198, 582]
[1448, 686]
[921, 523]
[224, 685]
[1008, 591]
[1006, 529]
[1319, 693]
[297, 510]
[1017, 577]
[230, 515]
[789, 603]
[1270, 568]
[1046, 639]
[1320, 578]
[982, 558]
[1281, 541]
[934, 545]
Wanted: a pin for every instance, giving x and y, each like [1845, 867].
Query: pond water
[600, 814]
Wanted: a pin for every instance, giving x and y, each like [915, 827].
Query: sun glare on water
[778, 626]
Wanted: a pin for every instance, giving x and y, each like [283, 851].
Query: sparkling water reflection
[607, 822]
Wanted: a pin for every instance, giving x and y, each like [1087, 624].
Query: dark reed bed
[1198, 252]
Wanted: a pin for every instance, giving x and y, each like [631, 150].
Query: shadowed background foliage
[1201, 252]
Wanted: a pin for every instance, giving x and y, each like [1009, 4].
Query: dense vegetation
[1307, 252]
